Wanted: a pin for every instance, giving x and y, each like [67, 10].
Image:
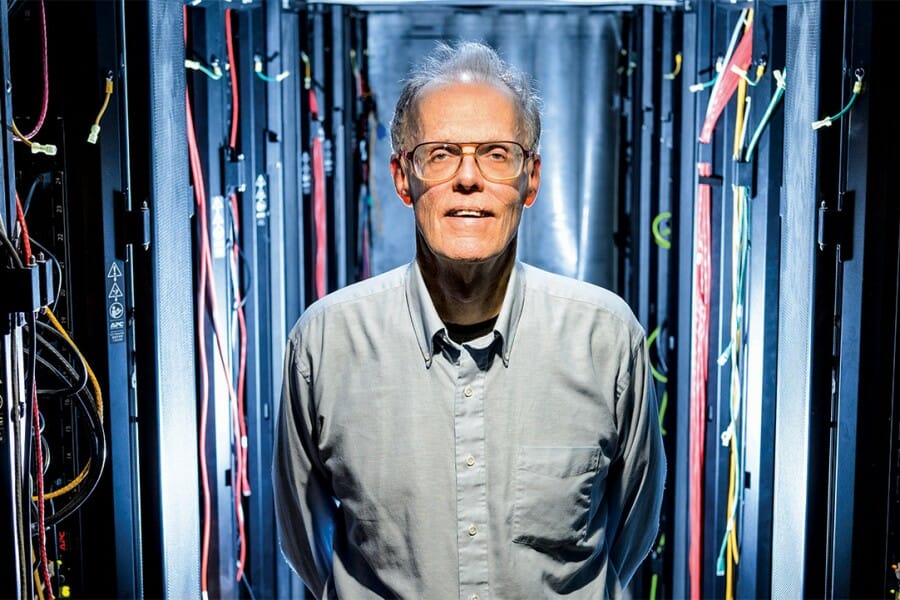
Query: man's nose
[468, 176]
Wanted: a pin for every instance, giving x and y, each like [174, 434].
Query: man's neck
[466, 293]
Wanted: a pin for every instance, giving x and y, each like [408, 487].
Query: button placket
[470, 481]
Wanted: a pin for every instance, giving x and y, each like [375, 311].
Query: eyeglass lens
[441, 160]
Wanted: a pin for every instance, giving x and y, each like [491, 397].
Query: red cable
[26, 241]
[36, 424]
[726, 83]
[699, 367]
[199, 196]
[239, 481]
[242, 360]
[207, 289]
[234, 86]
[319, 211]
[39, 477]
[206, 295]
[46, 75]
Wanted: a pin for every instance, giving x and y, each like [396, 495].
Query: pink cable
[46, 100]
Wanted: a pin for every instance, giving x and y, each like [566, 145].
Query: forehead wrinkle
[478, 112]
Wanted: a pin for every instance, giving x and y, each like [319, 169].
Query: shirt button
[472, 530]
[474, 596]
[468, 391]
[470, 460]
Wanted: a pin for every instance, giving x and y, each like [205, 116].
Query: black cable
[247, 585]
[5, 241]
[86, 401]
[71, 390]
[97, 464]
[43, 179]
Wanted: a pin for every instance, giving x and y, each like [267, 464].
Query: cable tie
[779, 79]
[727, 434]
[724, 356]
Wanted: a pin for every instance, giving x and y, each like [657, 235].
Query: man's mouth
[467, 212]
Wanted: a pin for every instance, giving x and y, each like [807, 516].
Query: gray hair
[466, 61]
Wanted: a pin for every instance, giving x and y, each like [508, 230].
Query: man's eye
[495, 154]
[439, 156]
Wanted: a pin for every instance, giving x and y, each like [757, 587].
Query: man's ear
[401, 181]
[534, 181]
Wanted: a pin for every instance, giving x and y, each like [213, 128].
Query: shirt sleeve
[635, 493]
[304, 503]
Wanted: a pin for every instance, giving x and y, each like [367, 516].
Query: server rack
[120, 220]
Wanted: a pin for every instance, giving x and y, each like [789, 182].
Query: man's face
[467, 218]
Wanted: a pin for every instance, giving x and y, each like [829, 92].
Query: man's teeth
[467, 213]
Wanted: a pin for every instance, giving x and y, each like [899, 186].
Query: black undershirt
[466, 333]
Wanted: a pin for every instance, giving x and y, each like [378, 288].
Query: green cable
[656, 374]
[196, 65]
[662, 411]
[660, 377]
[857, 90]
[658, 235]
[773, 102]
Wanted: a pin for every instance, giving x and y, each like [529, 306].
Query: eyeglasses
[439, 161]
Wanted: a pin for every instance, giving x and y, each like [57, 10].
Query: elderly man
[467, 426]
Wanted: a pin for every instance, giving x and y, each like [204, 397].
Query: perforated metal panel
[795, 323]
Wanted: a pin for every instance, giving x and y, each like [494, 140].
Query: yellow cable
[676, 70]
[109, 91]
[95, 127]
[20, 135]
[37, 578]
[739, 118]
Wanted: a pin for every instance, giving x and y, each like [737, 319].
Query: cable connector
[48, 149]
[94, 134]
[307, 71]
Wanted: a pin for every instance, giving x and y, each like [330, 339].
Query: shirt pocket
[553, 489]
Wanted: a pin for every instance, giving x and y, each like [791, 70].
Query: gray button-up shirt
[524, 464]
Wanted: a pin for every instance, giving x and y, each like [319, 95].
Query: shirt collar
[427, 324]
